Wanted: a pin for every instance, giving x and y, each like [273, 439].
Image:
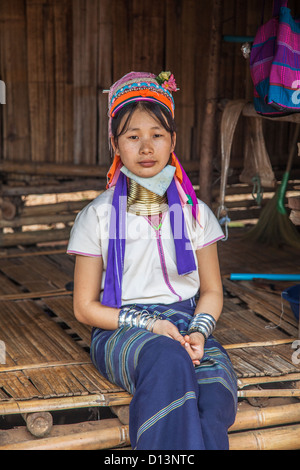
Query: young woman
[147, 279]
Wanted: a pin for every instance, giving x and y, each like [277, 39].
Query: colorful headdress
[142, 86]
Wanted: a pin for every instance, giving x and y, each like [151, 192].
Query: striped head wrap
[141, 86]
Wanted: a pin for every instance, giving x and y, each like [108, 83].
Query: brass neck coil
[141, 201]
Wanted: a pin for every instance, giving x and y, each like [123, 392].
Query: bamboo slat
[263, 304]
[34, 295]
[7, 287]
[15, 385]
[42, 360]
[31, 272]
[40, 365]
[63, 309]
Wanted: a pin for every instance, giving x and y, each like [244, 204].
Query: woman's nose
[146, 146]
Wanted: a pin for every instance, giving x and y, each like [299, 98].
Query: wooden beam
[208, 138]
[56, 169]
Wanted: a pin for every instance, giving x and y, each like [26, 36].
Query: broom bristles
[274, 228]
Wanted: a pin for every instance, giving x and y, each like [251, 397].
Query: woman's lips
[147, 163]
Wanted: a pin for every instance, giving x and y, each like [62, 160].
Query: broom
[274, 226]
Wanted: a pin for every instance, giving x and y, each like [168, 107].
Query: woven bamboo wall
[57, 56]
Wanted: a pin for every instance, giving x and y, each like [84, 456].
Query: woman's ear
[173, 142]
[114, 146]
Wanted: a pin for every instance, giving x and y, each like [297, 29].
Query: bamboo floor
[46, 364]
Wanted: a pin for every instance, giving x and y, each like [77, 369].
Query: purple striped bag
[284, 86]
[264, 64]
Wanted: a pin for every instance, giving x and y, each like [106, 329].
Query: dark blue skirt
[175, 405]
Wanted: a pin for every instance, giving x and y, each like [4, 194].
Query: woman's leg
[175, 406]
[217, 414]
[159, 373]
[164, 411]
[217, 395]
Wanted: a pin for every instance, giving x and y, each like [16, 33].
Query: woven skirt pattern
[175, 405]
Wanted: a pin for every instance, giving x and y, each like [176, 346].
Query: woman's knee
[167, 356]
[217, 404]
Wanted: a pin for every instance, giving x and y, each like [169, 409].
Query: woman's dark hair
[157, 111]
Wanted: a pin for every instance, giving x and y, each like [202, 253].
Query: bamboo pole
[246, 381]
[259, 344]
[7, 209]
[265, 417]
[281, 438]
[122, 412]
[34, 295]
[78, 185]
[249, 111]
[55, 208]
[107, 436]
[64, 403]
[56, 169]
[31, 237]
[43, 365]
[104, 434]
[269, 393]
[23, 254]
[46, 219]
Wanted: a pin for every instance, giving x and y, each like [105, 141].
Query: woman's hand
[166, 328]
[194, 345]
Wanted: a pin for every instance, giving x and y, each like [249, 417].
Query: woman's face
[145, 146]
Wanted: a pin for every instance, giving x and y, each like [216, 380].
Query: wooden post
[209, 123]
[122, 412]
[38, 424]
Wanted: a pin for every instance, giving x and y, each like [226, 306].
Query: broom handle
[292, 148]
[284, 182]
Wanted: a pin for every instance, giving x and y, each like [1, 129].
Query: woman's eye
[157, 135]
[133, 137]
